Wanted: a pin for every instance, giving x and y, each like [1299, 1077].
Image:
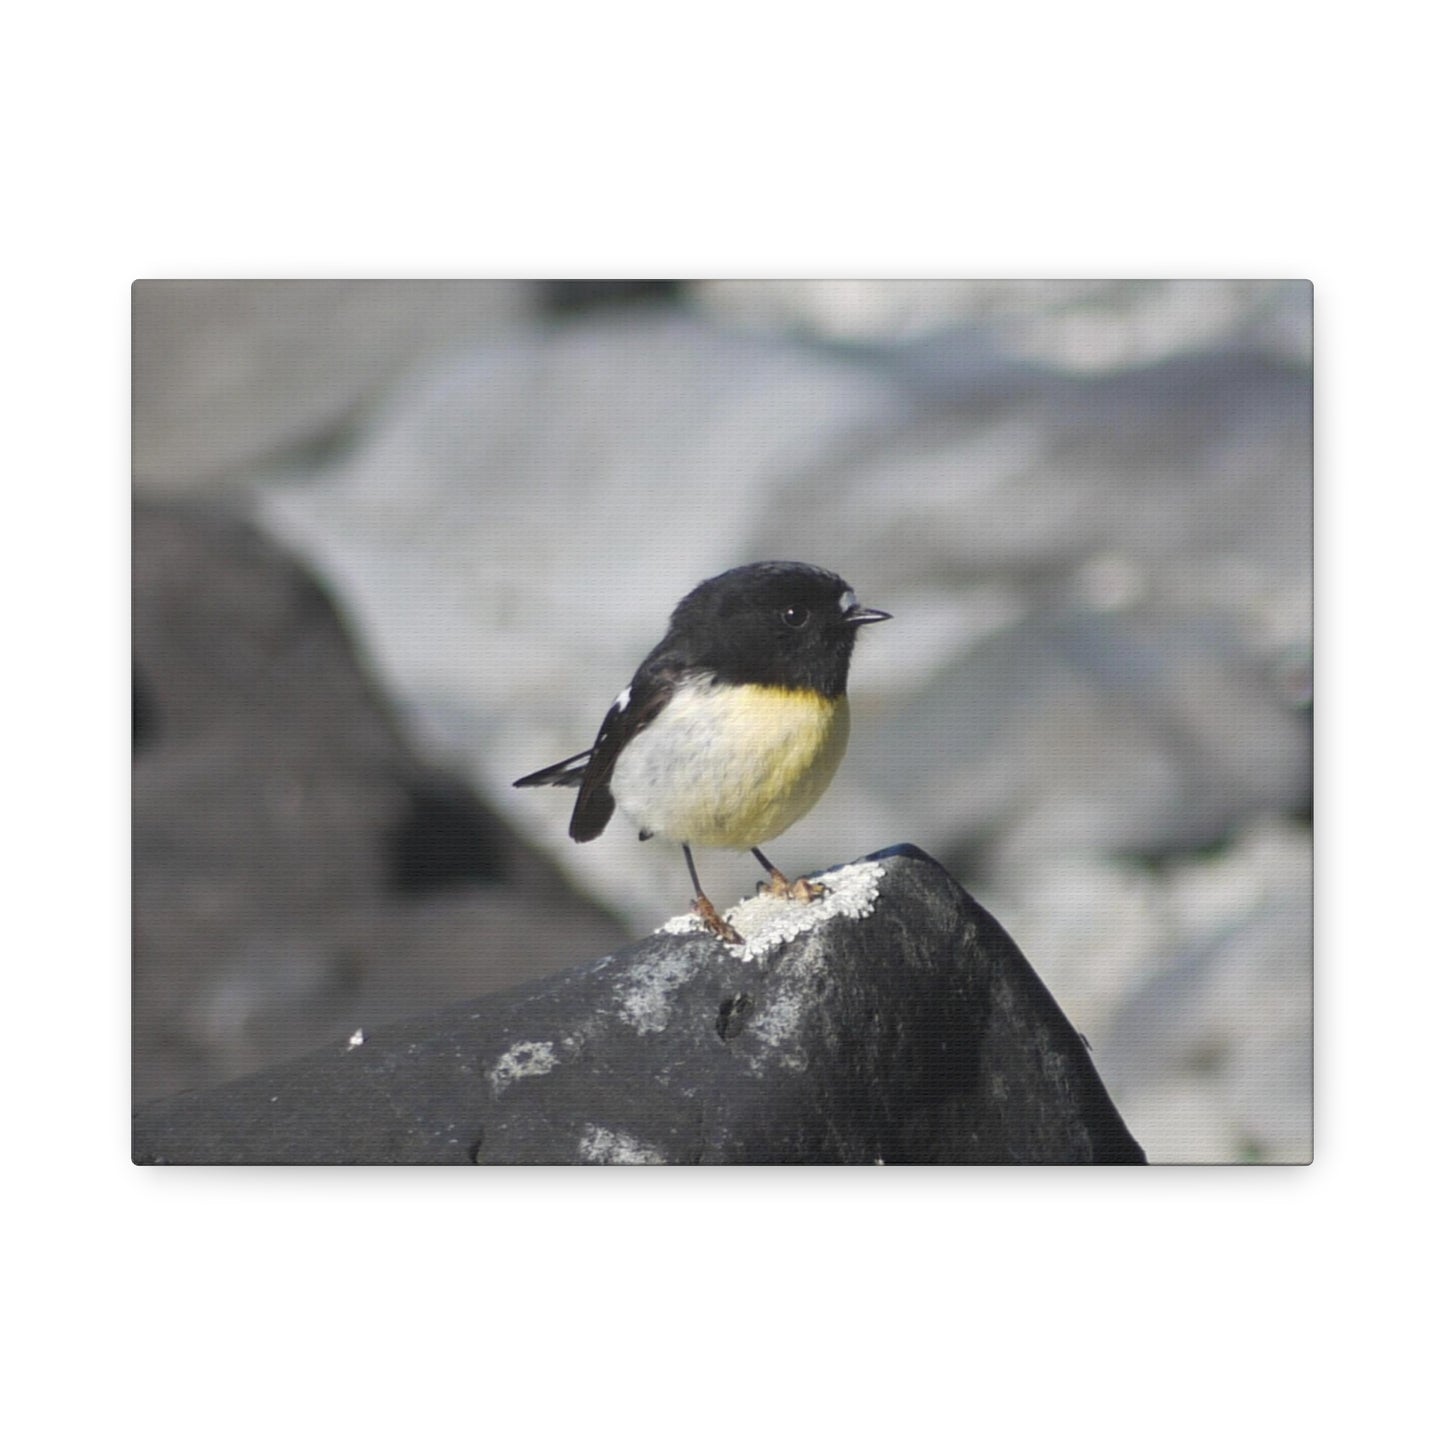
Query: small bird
[734, 724]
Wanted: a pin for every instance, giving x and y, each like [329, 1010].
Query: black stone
[917, 1035]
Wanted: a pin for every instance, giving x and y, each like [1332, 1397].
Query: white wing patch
[623, 698]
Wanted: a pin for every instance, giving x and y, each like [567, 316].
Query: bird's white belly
[731, 767]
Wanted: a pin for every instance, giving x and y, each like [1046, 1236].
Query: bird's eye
[795, 616]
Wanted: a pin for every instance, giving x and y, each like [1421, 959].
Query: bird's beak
[856, 616]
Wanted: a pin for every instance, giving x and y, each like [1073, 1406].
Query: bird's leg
[800, 890]
[702, 906]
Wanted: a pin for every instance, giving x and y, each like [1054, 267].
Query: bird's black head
[780, 624]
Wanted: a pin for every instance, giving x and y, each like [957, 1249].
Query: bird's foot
[800, 890]
[714, 920]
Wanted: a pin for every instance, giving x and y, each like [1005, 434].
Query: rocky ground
[398, 543]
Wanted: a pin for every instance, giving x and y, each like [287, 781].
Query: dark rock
[915, 1034]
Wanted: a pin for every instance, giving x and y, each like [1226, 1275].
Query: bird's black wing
[640, 702]
[591, 771]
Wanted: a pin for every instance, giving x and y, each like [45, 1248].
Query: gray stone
[230, 375]
[1088, 326]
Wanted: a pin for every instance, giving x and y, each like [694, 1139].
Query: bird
[732, 726]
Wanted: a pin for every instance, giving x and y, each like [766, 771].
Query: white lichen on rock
[644, 992]
[612, 1146]
[767, 921]
[522, 1061]
[776, 1027]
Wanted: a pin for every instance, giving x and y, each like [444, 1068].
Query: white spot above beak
[848, 601]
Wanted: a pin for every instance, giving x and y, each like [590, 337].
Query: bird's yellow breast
[731, 766]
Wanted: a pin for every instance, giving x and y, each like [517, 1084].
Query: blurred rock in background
[231, 375]
[298, 872]
[1087, 504]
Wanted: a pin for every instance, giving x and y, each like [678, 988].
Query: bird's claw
[800, 890]
[715, 922]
